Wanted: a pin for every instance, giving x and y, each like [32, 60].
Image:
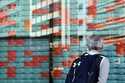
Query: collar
[93, 52]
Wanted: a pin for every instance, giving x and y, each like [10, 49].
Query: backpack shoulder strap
[99, 59]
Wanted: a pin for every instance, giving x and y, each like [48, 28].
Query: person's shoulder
[105, 59]
[103, 56]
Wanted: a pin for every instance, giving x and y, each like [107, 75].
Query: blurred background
[39, 39]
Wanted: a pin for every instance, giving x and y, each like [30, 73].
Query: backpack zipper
[74, 75]
[74, 72]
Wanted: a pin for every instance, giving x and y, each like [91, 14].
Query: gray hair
[94, 42]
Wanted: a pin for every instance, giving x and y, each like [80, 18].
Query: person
[91, 66]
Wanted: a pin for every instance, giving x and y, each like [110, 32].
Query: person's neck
[93, 52]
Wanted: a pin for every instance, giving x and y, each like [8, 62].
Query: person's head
[94, 42]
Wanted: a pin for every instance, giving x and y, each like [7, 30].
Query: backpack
[85, 69]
